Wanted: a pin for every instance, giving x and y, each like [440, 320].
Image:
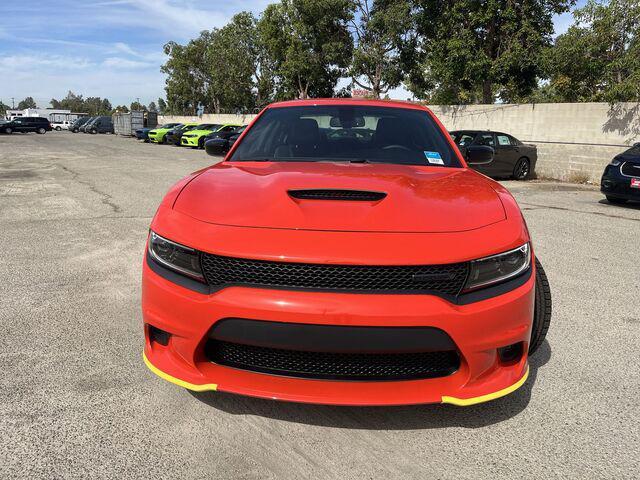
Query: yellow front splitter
[165, 376]
[465, 402]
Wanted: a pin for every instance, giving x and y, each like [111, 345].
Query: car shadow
[626, 206]
[385, 418]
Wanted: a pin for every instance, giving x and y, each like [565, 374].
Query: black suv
[27, 124]
[621, 178]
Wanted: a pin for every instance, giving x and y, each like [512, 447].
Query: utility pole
[13, 103]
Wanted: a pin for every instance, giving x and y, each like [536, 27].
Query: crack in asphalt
[106, 198]
[565, 209]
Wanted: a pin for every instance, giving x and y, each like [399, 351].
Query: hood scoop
[336, 194]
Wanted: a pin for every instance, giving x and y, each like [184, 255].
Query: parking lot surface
[76, 400]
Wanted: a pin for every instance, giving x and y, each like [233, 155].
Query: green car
[157, 134]
[195, 138]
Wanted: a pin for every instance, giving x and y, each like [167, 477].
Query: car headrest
[390, 131]
[304, 132]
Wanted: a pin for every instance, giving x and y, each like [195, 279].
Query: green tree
[152, 107]
[470, 51]
[137, 106]
[309, 43]
[162, 106]
[379, 28]
[3, 108]
[186, 84]
[72, 102]
[598, 58]
[28, 102]
[122, 109]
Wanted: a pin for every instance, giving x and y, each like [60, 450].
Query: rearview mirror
[479, 154]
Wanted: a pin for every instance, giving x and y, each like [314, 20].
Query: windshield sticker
[434, 158]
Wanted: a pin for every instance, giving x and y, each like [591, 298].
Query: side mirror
[479, 154]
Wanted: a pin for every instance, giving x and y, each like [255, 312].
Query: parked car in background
[621, 178]
[195, 138]
[102, 124]
[158, 134]
[174, 136]
[219, 143]
[62, 125]
[79, 122]
[511, 158]
[27, 124]
[83, 128]
[143, 134]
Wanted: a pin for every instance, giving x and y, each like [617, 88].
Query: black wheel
[201, 143]
[58, 129]
[41, 131]
[615, 200]
[94, 131]
[522, 169]
[542, 309]
[8, 130]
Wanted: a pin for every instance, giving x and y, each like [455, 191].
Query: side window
[514, 142]
[465, 139]
[486, 139]
[503, 140]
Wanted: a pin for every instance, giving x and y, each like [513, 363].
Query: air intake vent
[326, 194]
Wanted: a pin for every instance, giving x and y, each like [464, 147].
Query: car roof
[348, 101]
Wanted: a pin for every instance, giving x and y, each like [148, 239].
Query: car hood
[198, 132]
[418, 199]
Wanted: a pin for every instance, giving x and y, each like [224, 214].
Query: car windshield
[208, 126]
[346, 133]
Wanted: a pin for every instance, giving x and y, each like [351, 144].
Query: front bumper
[189, 141]
[477, 329]
[614, 184]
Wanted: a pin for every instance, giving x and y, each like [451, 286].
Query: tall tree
[186, 84]
[3, 108]
[470, 51]
[598, 58]
[310, 44]
[137, 106]
[379, 28]
[162, 106]
[152, 107]
[28, 102]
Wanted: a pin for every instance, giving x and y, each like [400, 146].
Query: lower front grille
[334, 366]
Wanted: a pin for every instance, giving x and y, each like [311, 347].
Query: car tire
[58, 129]
[522, 170]
[41, 131]
[201, 143]
[542, 309]
[617, 201]
[93, 131]
[8, 130]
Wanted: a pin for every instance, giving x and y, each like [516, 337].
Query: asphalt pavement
[76, 400]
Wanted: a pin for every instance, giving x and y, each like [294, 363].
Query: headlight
[498, 268]
[177, 257]
[615, 162]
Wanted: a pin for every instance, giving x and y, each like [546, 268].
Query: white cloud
[123, 63]
[13, 63]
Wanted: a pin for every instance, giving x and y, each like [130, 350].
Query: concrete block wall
[575, 140]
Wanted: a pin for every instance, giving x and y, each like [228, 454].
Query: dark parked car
[174, 136]
[87, 124]
[511, 158]
[27, 124]
[78, 122]
[218, 143]
[143, 134]
[102, 124]
[621, 178]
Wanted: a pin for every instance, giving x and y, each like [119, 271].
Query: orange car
[343, 253]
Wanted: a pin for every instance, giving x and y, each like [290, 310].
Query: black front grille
[334, 366]
[445, 280]
[326, 194]
[630, 169]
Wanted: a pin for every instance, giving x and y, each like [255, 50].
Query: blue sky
[106, 48]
